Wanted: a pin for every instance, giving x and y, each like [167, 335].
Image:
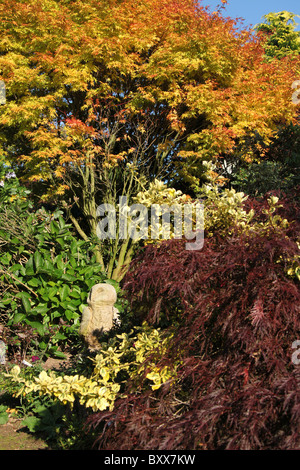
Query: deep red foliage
[237, 314]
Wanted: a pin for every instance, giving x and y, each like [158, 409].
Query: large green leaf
[25, 301]
[71, 315]
[61, 222]
[54, 228]
[38, 261]
[29, 267]
[6, 258]
[64, 292]
[41, 308]
[51, 292]
[34, 282]
[59, 354]
[59, 262]
[19, 317]
[68, 277]
[32, 423]
[71, 305]
[40, 328]
[75, 293]
[74, 247]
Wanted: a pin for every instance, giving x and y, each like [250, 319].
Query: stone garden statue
[99, 315]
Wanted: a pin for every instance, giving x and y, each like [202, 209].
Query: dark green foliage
[277, 169]
[45, 277]
[256, 179]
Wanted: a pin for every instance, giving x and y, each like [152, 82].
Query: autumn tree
[104, 97]
[276, 164]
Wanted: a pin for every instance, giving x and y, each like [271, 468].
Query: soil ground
[14, 437]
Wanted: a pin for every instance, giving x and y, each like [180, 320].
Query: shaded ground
[13, 436]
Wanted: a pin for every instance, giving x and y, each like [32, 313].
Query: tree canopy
[282, 39]
[105, 96]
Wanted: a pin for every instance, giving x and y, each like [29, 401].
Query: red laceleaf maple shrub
[236, 312]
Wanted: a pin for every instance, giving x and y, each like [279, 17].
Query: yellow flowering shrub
[124, 356]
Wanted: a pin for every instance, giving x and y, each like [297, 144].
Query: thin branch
[17, 280]
[78, 228]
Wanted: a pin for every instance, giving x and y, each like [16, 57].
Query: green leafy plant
[10, 188]
[45, 419]
[257, 179]
[45, 275]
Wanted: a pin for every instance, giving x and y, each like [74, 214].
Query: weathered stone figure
[99, 315]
